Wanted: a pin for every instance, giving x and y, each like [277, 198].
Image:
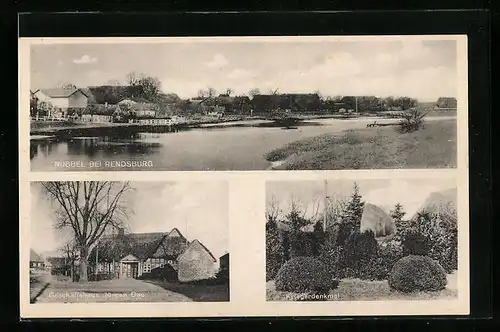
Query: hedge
[305, 274]
[417, 273]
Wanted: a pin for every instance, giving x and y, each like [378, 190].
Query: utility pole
[356, 99]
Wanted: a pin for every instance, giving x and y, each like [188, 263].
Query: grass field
[364, 290]
[434, 146]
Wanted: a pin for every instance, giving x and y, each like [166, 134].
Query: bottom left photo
[98, 241]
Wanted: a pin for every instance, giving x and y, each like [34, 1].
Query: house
[446, 102]
[98, 113]
[196, 263]
[233, 104]
[295, 102]
[36, 262]
[142, 108]
[138, 255]
[224, 262]
[62, 99]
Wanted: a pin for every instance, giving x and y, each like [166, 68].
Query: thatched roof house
[136, 254]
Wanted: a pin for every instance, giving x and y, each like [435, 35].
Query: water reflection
[93, 146]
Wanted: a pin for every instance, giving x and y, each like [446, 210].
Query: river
[219, 148]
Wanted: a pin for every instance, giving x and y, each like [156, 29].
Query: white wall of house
[196, 264]
[77, 100]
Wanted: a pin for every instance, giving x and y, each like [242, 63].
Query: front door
[130, 270]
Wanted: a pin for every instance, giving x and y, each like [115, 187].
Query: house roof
[196, 241]
[141, 245]
[57, 261]
[61, 92]
[34, 257]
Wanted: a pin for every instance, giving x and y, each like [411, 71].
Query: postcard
[318, 176]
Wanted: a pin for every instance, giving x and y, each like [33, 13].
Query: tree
[252, 93]
[150, 87]
[88, 208]
[229, 91]
[318, 238]
[202, 93]
[397, 213]
[68, 86]
[275, 252]
[355, 206]
[70, 252]
[211, 92]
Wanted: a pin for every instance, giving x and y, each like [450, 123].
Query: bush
[415, 243]
[413, 120]
[380, 267]
[417, 273]
[359, 254]
[305, 274]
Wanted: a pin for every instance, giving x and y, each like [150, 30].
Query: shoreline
[70, 127]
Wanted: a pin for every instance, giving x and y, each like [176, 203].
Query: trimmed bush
[417, 273]
[305, 274]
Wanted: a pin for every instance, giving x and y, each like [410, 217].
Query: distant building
[142, 108]
[446, 102]
[98, 113]
[62, 99]
[295, 102]
[36, 262]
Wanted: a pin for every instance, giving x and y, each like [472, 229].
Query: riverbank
[434, 146]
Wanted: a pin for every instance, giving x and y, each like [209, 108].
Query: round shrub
[305, 274]
[417, 273]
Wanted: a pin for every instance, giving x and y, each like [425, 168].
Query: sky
[198, 210]
[424, 70]
[384, 193]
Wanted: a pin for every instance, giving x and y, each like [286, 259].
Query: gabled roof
[141, 245]
[196, 241]
[34, 257]
[61, 92]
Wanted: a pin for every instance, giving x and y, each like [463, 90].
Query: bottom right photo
[361, 240]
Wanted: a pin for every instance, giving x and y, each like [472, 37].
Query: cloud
[85, 59]
[395, 192]
[239, 73]
[218, 61]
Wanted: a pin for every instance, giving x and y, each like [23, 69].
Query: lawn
[365, 290]
[434, 146]
[198, 293]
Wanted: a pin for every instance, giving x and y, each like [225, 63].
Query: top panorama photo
[243, 104]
